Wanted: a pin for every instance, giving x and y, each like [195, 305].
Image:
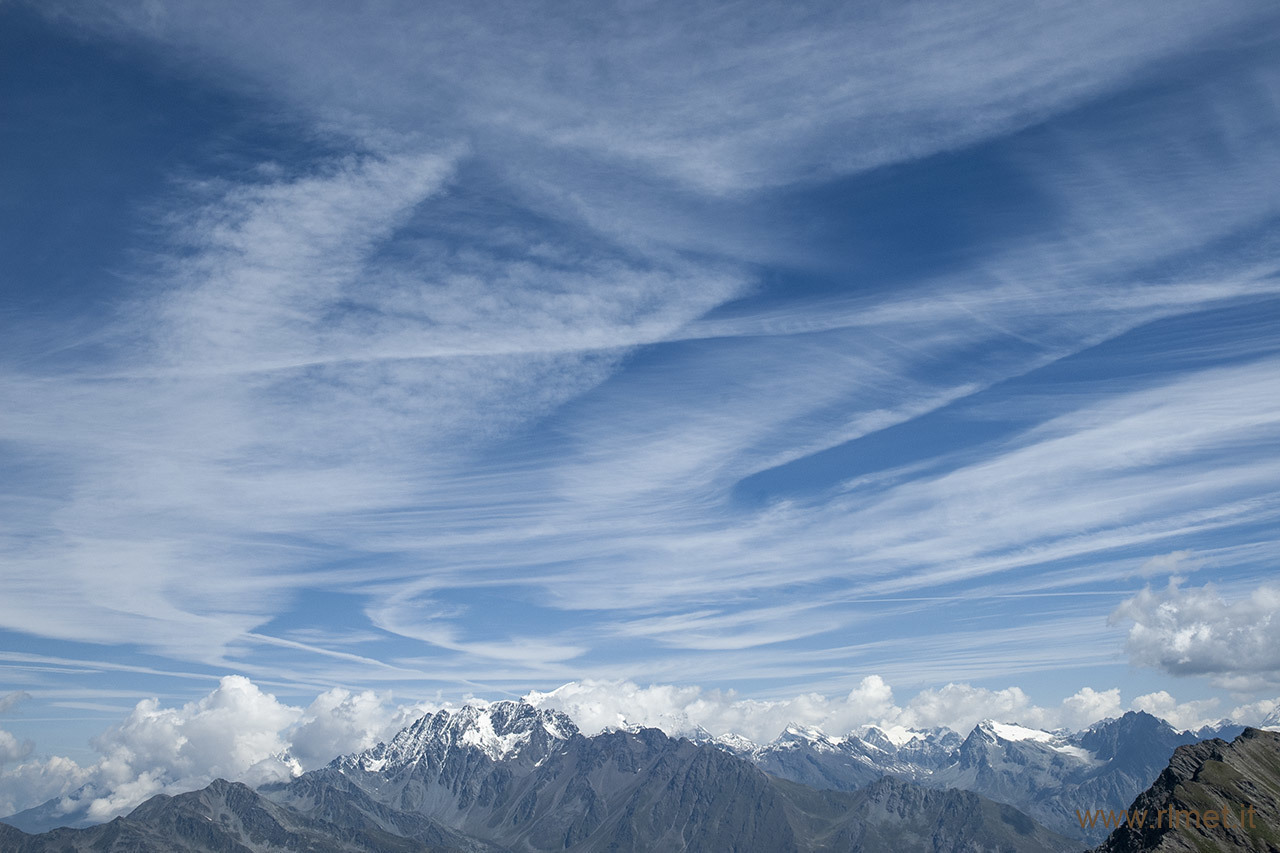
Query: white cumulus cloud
[596, 705]
[1087, 706]
[961, 706]
[235, 732]
[1182, 715]
[34, 782]
[12, 749]
[340, 722]
[1194, 631]
[1254, 713]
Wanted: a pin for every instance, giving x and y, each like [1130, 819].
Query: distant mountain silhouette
[228, 817]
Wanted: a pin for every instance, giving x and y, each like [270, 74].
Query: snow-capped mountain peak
[796, 733]
[736, 743]
[893, 737]
[500, 730]
[1012, 732]
[480, 732]
[1271, 721]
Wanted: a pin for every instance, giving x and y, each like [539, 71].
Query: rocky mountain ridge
[1049, 775]
[640, 789]
[1212, 796]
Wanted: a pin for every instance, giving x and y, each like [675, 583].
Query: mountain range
[1048, 775]
[508, 776]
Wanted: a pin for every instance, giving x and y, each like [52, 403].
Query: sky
[675, 363]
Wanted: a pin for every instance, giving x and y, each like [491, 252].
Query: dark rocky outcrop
[1213, 796]
[1105, 766]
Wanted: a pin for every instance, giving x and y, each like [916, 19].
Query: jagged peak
[736, 743]
[1130, 719]
[806, 732]
[501, 730]
[796, 733]
[694, 733]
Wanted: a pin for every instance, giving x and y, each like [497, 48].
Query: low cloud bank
[235, 732]
[597, 705]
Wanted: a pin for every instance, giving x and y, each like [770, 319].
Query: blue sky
[461, 349]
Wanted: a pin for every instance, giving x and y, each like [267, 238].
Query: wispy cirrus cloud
[278, 378]
[777, 93]
[611, 347]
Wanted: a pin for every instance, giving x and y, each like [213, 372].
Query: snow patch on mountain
[897, 736]
[795, 735]
[1007, 731]
[1013, 733]
[736, 743]
[483, 736]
